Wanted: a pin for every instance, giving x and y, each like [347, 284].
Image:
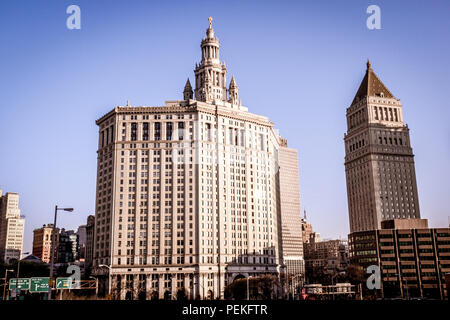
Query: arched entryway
[167, 295]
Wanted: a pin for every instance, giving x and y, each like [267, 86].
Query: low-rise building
[413, 259]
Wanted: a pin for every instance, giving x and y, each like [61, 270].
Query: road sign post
[64, 283]
[19, 283]
[39, 285]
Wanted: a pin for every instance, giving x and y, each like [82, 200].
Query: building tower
[379, 162]
[188, 93]
[234, 92]
[188, 193]
[210, 74]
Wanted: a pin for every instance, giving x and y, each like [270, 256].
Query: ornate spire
[210, 74]
[188, 93]
[234, 92]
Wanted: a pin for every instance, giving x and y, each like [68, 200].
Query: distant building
[420, 255]
[12, 226]
[42, 242]
[67, 246]
[89, 240]
[81, 232]
[328, 256]
[308, 234]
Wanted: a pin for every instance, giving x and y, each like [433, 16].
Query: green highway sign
[63, 283]
[21, 283]
[39, 284]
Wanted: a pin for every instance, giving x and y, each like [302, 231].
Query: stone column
[148, 286]
[186, 285]
[135, 289]
[174, 286]
[123, 287]
[161, 286]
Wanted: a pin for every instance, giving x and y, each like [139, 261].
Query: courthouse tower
[379, 162]
[188, 195]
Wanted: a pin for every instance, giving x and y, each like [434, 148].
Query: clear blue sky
[297, 62]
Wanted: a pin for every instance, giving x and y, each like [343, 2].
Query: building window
[145, 131]
[133, 131]
[157, 130]
[169, 131]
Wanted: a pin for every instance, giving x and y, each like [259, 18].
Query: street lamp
[96, 285]
[6, 278]
[52, 253]
[109, 276]
[18, 273]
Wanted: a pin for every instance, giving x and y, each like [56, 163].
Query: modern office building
[188, 194]
[379, 162]
[42, 242]
[12, 226]
[413, 259]
[291, 244]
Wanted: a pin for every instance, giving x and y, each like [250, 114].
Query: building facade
[188, 194]
[329, 256]
[89, 240]
[291, 244]
[379, 162]
[413, 259]
[82, 238]
[42, 242]
[67, 247]
[12, 226]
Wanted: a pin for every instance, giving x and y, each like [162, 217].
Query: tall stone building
[12, 226]
[379, 162]
[188, 194]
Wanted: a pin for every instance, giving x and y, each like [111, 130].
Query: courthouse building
[379, 162]
[194, 194]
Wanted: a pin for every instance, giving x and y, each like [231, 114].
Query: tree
[262, 287]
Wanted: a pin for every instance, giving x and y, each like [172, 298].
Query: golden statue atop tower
[210, 22]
